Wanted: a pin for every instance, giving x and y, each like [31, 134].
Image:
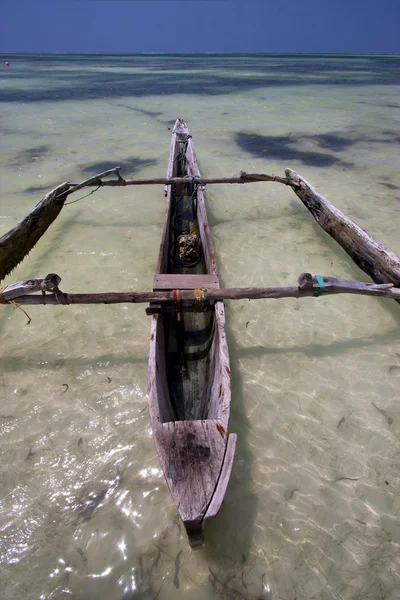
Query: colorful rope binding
[200, 300]
[177, 299]
[319, 291]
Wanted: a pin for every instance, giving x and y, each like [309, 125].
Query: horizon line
[148, 53]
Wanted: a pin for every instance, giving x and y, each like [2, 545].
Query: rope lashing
[287, 179]
[200, 300]
[177, 299]
[4, 301]
[197, 181]
[98, 181]
[319, 291]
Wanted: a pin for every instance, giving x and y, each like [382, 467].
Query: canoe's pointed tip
[180, 125]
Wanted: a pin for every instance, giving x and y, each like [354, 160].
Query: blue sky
[131, 26]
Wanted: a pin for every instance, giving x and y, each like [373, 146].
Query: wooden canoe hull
[189, 371]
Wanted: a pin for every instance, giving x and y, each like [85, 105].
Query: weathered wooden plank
[223, 480]
[220, 395]
[204, 227]
[191, 454]
[170, 281]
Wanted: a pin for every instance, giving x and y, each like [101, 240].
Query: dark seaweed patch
[283, 148]
[130, 165]
[333, 141]
[191, 74]
[28, 155]
[38, 189]
[390, 186]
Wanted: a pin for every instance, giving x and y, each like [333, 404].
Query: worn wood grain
[219, 494]
[174, 281]
[382, 265]
[49, 283]
[191, 454]
[243, 178]
[18, 242]
[204, 226]
[333, 285]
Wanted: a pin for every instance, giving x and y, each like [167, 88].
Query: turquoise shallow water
[312, 508]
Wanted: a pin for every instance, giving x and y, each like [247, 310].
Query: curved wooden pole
[382, 265]
[244, 177]
[18, 242]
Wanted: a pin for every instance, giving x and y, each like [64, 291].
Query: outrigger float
[189, 371]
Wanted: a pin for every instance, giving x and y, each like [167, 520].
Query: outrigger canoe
[189, 372]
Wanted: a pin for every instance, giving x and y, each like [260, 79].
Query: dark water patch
[44, 188]
[299, 64]
[28, 155]
[388, 137]
[283, 148]
[96, 86]
[129, 166]
[391, 105]
[392, 136]
[332, 141]
[103, 77]
[39, 189]
[390, 186]
[4, 130]
[306, 148]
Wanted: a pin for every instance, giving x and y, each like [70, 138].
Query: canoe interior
[186, 342]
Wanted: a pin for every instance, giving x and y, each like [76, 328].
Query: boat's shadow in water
[229, 537]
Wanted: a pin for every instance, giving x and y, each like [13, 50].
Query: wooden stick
[95, 181]
[244, 177]
[371, 256]
[308, 286]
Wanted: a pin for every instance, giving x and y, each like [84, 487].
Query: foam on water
[312, 506]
